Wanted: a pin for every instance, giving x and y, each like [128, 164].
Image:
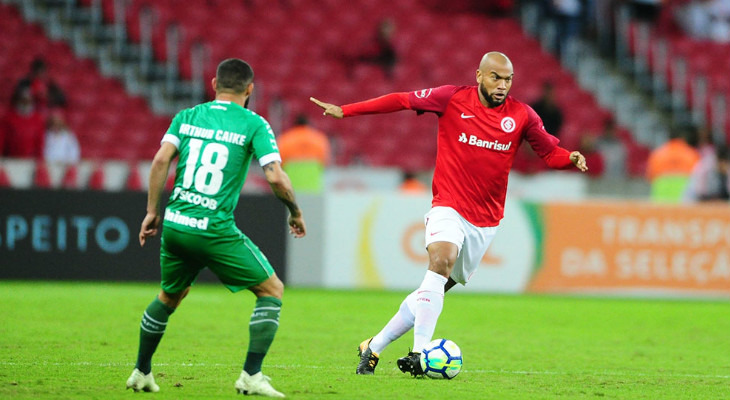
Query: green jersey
[216, 142]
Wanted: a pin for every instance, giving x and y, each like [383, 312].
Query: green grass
[79, 340]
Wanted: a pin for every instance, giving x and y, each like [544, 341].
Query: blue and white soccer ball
[441, 359]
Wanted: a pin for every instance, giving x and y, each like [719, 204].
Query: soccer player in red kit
[480, 129]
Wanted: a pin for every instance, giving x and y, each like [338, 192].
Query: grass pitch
[79, 341]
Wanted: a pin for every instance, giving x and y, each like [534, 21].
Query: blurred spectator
[719, 11]
[411, 184]
[671, 164]
[694, 18]
[548, 110]
[61, 144]
[613, 151]
[381, 51]
[23, 127]
[646, 10]
[706, 19]
[709, 179]
[491, 7]
[277, 113]
[705, 143]
[45, 93]
[305, 151]
[567, 15]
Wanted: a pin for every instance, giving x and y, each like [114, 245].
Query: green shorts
[235, 260]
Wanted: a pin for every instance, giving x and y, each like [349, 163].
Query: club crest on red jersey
[422, 94]
[508, 124]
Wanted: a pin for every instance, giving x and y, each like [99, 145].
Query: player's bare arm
[282, 188]
[579, 161]
[329, 109]
[158, 176]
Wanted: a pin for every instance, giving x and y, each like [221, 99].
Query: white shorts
[444, 224]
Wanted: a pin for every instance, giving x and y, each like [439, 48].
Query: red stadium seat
[4, 180]
[134, 180]
[41, 177]
[97, 178]
[71, 178]
[170, 182]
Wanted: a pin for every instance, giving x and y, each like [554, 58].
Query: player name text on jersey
[219, 135]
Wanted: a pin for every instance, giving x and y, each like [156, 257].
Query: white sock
[401, 323]
[429, 303]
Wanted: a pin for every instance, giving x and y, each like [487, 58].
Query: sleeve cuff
[174, 140]
[269, 158]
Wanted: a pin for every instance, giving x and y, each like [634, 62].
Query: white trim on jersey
[269, 158]
[172, 139]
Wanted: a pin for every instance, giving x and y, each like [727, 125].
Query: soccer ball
[441, 359]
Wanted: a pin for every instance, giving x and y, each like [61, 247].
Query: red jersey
[476, 145]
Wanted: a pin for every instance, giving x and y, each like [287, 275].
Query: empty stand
[299, 49]
[703, 60]
[98, 110]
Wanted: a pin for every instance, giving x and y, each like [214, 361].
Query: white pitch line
[298, 366]
[595, 373]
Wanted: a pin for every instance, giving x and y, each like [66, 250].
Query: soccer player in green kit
[215, 142]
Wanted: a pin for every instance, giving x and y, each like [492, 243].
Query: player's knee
[441, 268]
[172, 300]
[272, 287]
[441, 265]
[278, 287]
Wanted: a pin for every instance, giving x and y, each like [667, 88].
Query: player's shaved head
[495, 60]
[233, 76]
[494, 77]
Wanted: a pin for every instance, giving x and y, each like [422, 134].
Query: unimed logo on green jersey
[192, 222]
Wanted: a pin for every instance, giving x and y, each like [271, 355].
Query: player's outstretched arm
[282, 188]
[158, 176]
[329, 109]
[579, 161]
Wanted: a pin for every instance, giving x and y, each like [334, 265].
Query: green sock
[261, 329]
[154, 321]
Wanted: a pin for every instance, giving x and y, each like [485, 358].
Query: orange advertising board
[632, 247]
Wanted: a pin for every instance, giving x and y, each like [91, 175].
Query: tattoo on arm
[283, 191]
[287, 197]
